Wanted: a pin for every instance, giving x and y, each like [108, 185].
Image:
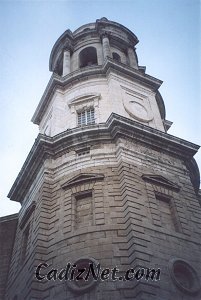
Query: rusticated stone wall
[8, 226]
[142, 212]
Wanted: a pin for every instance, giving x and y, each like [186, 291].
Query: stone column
[66, 62]
[106, 46]
[132, 58]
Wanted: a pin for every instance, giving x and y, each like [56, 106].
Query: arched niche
[116, 56]
[88, 57]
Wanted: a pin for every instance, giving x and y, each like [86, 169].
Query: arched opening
[116, 57]
[88, 57]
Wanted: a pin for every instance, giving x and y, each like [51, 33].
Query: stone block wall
[8, 226]
[125, 206]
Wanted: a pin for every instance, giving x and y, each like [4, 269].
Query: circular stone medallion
[137, 110]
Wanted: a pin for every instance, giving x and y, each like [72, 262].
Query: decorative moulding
[116, 126]
[83, 98]
[162, 181]
[81, 179]
[84, 101]
[137, 105]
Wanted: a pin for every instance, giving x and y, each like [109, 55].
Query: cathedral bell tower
[104, 184]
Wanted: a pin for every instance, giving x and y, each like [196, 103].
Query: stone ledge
[115, 127]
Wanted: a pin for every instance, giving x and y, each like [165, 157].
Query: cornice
[9, 218]
[77, 76]
[115, 127]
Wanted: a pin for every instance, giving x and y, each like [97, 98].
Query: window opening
[184, 276]
[86, 117]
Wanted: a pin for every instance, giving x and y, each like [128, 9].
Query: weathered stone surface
[119, 192]
[8, 227]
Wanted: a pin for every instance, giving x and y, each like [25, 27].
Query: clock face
[137, 108]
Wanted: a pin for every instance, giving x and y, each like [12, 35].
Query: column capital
[104, 34]
[67, 45]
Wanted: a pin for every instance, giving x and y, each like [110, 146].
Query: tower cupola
[96, 73]
[91, 44]
[104, 185]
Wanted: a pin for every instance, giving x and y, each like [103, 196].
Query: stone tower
[104, 185]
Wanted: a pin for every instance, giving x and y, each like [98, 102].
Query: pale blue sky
[169, 35]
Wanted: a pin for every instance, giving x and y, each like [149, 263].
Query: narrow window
[86, 117]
